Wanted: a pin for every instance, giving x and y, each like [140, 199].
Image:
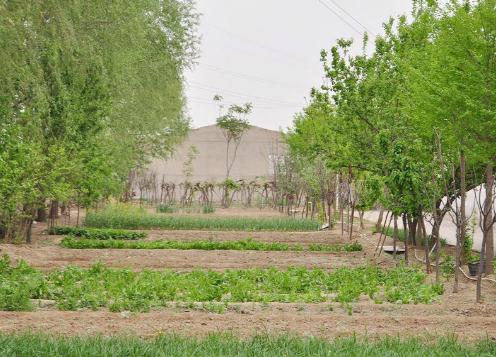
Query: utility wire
[267, 106]
[255, 43]
[351, 16]
[250, 77]
[213, 89]
[340, 17]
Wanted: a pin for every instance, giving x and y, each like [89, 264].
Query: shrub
[447, 266]
[207, 209]
[166, 208]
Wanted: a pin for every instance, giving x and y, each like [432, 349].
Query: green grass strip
[133, 220]
[247, 244]
[123, 289]
[230, 345]
[95, 233]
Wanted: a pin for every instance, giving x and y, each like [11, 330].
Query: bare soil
[452, 314]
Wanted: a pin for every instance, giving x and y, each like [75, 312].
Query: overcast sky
[267, 52]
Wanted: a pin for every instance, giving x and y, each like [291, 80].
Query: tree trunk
[361, 213]
[41, 214]
[463, 196]
[436, 238]
[412, 230]
[461, 229]
[329, 213]
[352, 217]
[427, 247]
[378, 225]
[488, 207]
[395, 235]
[54, 210]
[405, 228]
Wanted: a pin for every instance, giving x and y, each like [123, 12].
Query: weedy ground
[229, 345]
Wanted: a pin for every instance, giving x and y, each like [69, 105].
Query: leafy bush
[207, 209]
[247, 244]
[18, 285]
[122, 289]
[467, 248]
[447, 266]
[99, 234]
[165, 208]
[134, 220]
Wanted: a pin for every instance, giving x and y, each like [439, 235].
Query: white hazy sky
[268, 52]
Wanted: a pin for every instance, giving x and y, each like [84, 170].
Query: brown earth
[452, 314]
[52, 257]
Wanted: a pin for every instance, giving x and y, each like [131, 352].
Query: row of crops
[74, 288]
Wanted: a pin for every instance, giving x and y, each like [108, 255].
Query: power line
[239, 94]
[351, 16]
[256, 106]
[255, 43]
[250, 77]
[340, 17]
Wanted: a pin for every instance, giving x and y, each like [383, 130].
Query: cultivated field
[326, 302]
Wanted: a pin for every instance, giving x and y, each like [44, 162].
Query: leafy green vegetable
[247, 244]
[122, 289]
[99, 234]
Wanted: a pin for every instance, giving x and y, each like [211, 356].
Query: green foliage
[133, 219]
[18, 285]
[232, 125]
[402, 111]
[468, 243]
[79, 106]
[122, 289]
[448, 266]
[208, 208]
[166, 208]
[97, 234]
[231, 345]
[247, 244]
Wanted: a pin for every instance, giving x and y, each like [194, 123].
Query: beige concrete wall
[258, 147]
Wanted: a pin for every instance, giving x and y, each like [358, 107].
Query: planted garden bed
[136, 220]
[247, 244]
[95, 233]
[74, 288]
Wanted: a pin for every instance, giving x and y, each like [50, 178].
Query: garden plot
[304, 312]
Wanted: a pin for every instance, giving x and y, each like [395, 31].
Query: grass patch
[230, 345]
[123, 219]
[247, 244]
[172, 208]
[99, 234]
[122, 289]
